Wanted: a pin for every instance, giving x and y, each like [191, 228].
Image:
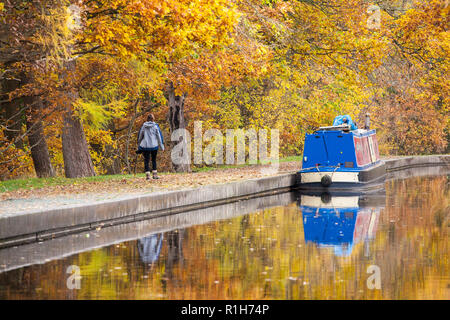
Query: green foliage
[99, 106]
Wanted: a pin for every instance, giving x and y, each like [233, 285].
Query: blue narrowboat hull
[341, 159]
[371, 178]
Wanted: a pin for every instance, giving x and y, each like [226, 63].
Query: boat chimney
[367, 121]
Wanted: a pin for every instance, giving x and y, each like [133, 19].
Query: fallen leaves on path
[138, 185]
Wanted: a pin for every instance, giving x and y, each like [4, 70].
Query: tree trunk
[77, 160]
[12, 117]
[38, 144]
[177, 121]
[113, 167]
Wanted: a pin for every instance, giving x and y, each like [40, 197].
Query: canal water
[390, 245]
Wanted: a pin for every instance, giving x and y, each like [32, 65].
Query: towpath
[78, 193]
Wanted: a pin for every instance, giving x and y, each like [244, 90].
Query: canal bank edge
[30, 227]
[41, 252]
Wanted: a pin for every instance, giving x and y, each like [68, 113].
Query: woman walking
[150, 139]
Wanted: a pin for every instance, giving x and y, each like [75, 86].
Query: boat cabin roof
[344, 128]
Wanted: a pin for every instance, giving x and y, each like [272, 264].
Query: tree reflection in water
[271, 254]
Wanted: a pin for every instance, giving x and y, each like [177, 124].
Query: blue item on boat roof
[340, 120]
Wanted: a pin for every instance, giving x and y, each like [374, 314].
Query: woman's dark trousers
[147, 155]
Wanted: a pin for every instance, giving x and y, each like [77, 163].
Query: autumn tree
[412, 100]
[78, 77]
[21, 52]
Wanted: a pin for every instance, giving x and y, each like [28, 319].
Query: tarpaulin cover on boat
[340, 120]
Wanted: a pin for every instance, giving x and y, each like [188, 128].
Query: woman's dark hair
[151, 117]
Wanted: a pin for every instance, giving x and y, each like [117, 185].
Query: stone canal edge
[22, 228]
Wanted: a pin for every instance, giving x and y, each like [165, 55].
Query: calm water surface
[390, 246]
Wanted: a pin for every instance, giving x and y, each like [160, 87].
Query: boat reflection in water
[340, 221]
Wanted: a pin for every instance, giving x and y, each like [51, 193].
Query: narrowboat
[341, 156]
[340, 222]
